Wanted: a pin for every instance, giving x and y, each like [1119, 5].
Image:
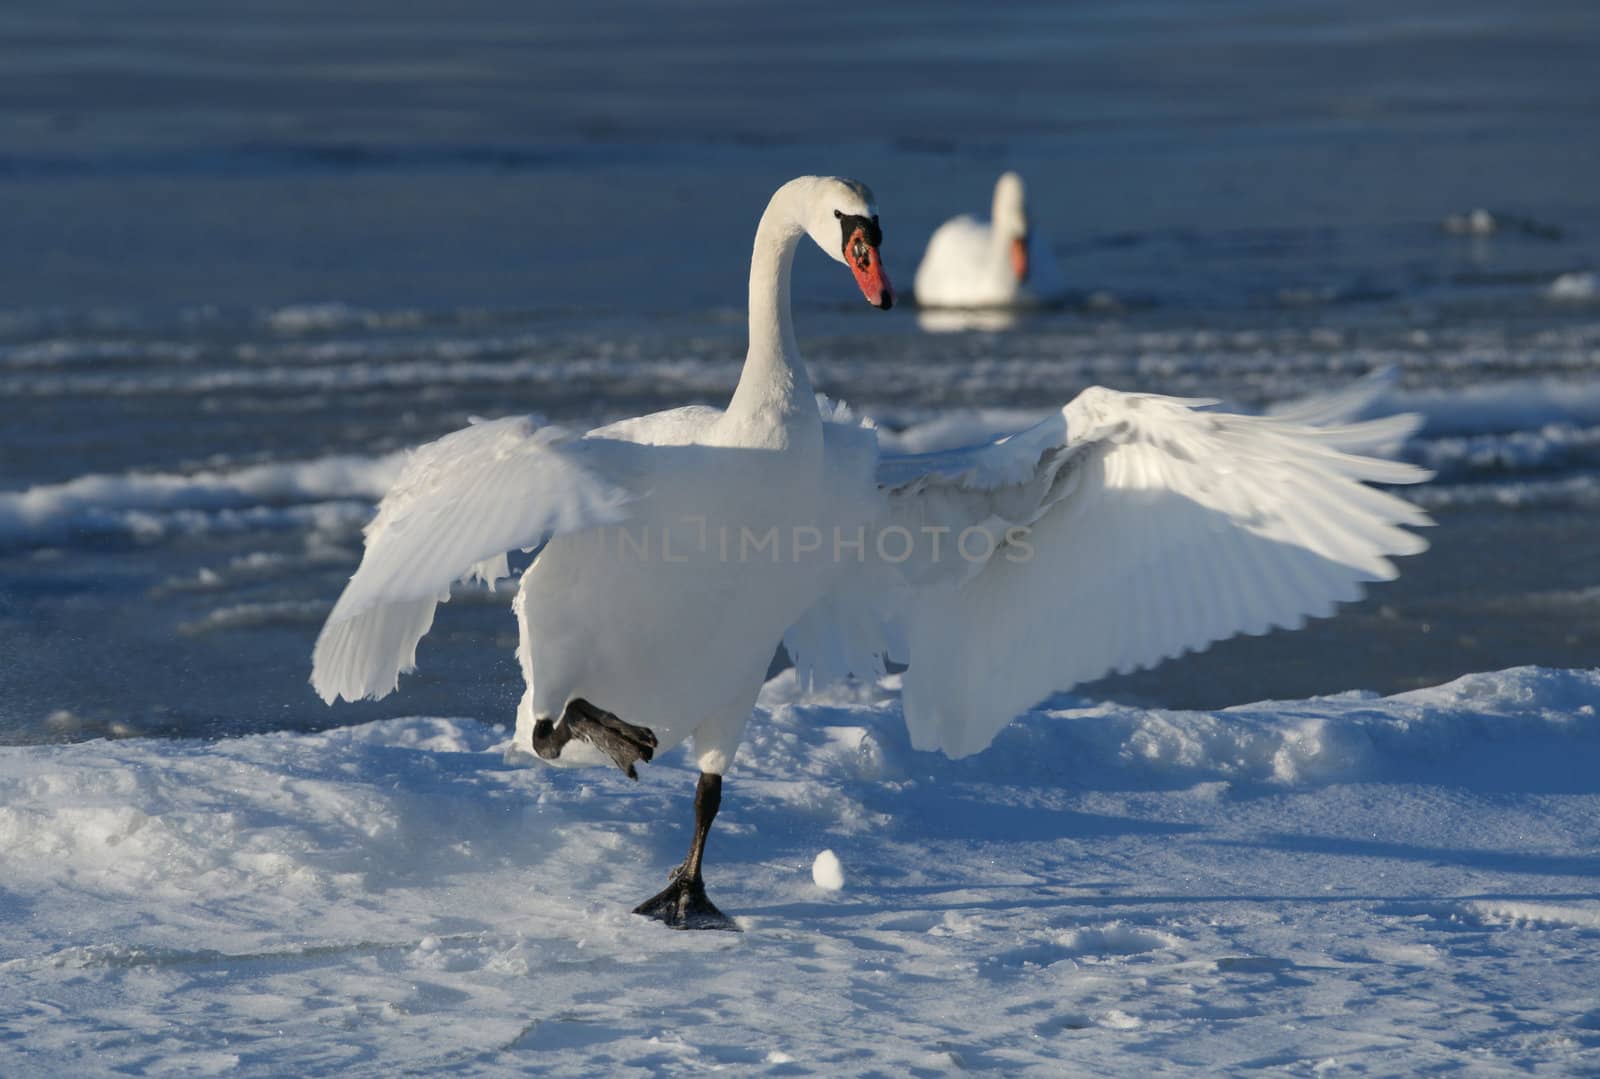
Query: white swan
[680, 548]
[1002, 262]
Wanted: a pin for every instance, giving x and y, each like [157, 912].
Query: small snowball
[827, 872]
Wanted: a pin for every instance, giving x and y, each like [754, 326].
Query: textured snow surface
[1346, 885]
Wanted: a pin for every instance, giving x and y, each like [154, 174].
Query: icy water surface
[251, 255]
[195, 498]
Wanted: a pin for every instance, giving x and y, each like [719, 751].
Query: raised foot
[683, 904]
[623, 742]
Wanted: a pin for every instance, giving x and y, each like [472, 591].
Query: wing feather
[459, 505]
[1156, 527]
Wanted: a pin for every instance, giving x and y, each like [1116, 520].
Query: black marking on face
[856, 247]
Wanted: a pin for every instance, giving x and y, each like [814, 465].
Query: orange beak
[868, 268]
[1019, 258]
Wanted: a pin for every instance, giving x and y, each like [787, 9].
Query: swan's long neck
[1007, 216]
[774, 387]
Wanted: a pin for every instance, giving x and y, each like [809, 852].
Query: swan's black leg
[623, 742]
[683, 903]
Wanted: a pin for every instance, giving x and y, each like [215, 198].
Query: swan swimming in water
[1000, 263]
[680, 547]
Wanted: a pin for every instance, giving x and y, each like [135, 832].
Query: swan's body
[1002, 262]
[681, 547]
[680, 594]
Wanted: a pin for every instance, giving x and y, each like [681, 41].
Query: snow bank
[1550, 447]
[1510, 405]
[1106, 890]
[247, 615]
[1575, 286]
[1517, 494]
[320, 317]
[352, 366]
[1470, 433]
[1349, 738]
[148, 505]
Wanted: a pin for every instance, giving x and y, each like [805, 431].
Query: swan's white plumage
[459, 505]
[1125, 529]
[1153, 528]
[634, 602]
[968, 260]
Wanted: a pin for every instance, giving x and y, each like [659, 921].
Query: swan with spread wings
[676, 550]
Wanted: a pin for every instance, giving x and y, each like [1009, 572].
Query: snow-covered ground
[1346, 885]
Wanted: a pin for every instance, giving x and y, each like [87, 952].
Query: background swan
[1002, 262]
[681, 546]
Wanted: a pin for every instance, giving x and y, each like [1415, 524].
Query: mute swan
[1001, 262]
[680, 547]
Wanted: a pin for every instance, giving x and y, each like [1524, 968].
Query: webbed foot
[683, 904]
[623, 742]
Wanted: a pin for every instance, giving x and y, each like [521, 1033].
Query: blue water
[612, 157]
[242, 235]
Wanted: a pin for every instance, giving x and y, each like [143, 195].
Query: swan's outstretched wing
[1127, 529]
[1339, 413]
[460, 504]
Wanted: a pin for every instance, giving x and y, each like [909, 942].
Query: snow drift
[1106, 888]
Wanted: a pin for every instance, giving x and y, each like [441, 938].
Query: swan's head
[1010, 219]
[843, 220]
